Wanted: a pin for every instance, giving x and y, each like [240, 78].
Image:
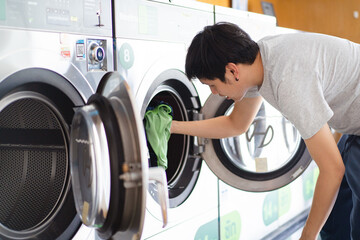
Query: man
[314, 81]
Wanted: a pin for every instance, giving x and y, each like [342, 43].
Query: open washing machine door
[269, 155]
[109, 166]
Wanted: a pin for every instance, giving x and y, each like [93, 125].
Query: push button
[96, 53]
[100, 53]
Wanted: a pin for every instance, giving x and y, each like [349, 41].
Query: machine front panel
[150, 20]
[86, 16]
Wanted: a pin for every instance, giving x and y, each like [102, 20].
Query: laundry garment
[157, 125]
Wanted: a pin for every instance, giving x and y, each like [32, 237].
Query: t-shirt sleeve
[252, 92]
[302, 102]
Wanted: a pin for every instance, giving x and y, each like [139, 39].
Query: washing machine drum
[108, 164]
[31, 134]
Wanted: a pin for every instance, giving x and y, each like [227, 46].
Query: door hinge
[132, 175]
[198, 149]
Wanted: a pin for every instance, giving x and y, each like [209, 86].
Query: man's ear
[232, 68]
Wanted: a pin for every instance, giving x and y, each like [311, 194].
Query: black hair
[216, 46]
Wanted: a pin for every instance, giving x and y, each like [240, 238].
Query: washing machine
[70, 147]
[260, 191]
[151, 44]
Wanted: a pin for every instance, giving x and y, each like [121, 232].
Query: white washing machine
[258, 196]
[55, 55]
[151, 45]
[42, 78]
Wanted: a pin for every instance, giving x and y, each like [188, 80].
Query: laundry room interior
[115, 124]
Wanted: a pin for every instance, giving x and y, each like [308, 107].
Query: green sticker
[208, 231]
[276, 204]
[284, 200]
[270, 208]
[309, 182]
[230, 226]
[2, 10]
[126, 56]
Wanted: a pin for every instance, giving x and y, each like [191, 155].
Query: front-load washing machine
[151, 44]
[55, 55]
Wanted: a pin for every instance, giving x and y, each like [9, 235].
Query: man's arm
[236, 123]
[323, 149]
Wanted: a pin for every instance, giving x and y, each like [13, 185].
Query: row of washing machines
[76, 78]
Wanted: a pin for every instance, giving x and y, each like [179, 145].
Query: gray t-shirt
[313, 79]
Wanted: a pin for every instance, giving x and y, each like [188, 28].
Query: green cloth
[157, 126]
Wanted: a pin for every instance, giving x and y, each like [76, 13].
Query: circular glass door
[268, 156]
[108, 165]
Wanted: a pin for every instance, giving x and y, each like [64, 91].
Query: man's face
[239, 78]
[229, 89]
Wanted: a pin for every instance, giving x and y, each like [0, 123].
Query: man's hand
[324, 151]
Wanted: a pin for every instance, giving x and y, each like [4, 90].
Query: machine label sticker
[2, 10]
[230, 226]
[276, 204]
[261, 164]
[65, 45]
[80, 50]
[208, 231]
[126, 56]
[65, 52]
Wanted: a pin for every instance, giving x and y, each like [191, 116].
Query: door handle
[157, 175]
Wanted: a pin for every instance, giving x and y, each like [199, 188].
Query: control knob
[96, 53]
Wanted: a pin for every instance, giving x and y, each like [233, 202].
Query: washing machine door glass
[108, 164]
[268, 156]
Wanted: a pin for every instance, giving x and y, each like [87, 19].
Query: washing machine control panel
[86, 16]
[96, 55]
